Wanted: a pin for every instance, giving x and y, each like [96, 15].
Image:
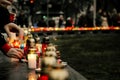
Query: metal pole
[47, 13]
[94, 13]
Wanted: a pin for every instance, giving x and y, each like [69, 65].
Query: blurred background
[59, 13]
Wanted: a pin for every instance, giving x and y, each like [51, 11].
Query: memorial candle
[32, 75]
[16, 44]
[32, 61]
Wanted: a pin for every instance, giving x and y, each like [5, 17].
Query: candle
[12, 38]
[16, 44]
[50, 54]
[51, 47]
[32, 75]
[32, 61]
[22, 46]
[43, 77]
[59, 72]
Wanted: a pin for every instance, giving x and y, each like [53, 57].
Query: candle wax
[32, 61]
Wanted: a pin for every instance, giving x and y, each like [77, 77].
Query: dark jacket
[4, 18]
[2, 40]
[4, 46]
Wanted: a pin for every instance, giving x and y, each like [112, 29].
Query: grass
[95, 56]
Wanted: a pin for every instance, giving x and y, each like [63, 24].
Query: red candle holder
[16, 44]
[43, 77]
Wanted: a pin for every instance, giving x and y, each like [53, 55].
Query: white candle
[32, 61]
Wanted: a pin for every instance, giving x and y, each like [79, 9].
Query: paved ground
[95, 56]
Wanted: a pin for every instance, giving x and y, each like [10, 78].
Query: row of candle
[51, 65]
[49, 62]
[42, 55]
[29, 47]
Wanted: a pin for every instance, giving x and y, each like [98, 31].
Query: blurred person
[42, 23]
[89, 17]
[69, 22]
[8, 50]
[82, 21]
[109, 18]
[22, 19]
[6, 27]
[61, 21]
[98, 18]
[51, 23]
[104, 19]
[118, 19]
[115, 18]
